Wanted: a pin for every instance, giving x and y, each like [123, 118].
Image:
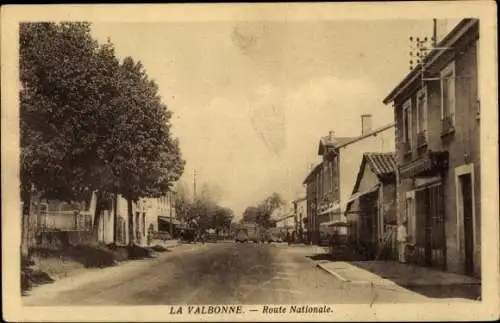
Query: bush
[159, 248]
[93, 256]
[138, 252]
[32, 277]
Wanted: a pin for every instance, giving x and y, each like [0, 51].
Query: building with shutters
[438, 153]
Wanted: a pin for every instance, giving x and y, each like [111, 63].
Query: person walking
[402, 238]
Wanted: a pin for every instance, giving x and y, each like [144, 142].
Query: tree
[261, 213]
[89, 123]
[144, 160]
[61, 94]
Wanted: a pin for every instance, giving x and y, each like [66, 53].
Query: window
[448, 98]
[407, 125]
[422, 110]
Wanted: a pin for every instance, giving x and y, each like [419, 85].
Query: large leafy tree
[63, 86]
[88, 122]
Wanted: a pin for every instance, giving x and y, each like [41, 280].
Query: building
[371, 210]
[77, 218]
[330, 183]
[300, 212]
[284, 218]
[437, 114]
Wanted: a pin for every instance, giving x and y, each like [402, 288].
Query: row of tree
[262, 211]
[204, 211]
[89, 121]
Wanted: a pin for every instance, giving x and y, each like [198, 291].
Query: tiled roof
[381, 163]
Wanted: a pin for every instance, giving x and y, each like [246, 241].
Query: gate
[430, 230]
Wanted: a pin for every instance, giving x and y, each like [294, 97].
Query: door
[137, 228]
[465, 183]
[431, 241]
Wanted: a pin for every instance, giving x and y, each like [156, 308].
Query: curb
[333, 273]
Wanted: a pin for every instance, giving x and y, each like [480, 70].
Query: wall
[368, 180]
[351, 156]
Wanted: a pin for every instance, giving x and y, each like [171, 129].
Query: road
[221, 273]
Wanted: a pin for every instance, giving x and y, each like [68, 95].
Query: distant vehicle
[273, 235]
[211, 235]
[254, 232]
[241, 236]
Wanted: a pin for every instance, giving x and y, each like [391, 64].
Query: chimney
[366, 124]
[331, 135]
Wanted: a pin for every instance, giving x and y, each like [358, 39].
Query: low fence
[65, 221]
[54, 228]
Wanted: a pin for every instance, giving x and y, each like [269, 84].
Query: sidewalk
[166, 243]
[423, 280]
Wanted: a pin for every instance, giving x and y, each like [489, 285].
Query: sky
[250, 99]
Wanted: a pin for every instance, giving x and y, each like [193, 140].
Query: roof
[366, 135]
[449, 40]
[381, 164]
[334, 142]
[311, 173]
[345, 141]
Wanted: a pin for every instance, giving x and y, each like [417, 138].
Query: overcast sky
[251, 99]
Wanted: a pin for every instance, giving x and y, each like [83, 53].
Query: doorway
[467, 222]
[430, 235]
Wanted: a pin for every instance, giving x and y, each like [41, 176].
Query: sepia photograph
[257, 162]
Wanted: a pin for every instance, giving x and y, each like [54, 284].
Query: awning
[360, 194]
[169, 219]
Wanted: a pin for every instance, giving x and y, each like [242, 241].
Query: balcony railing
[65, 221]
[422, 139]
[447, 125]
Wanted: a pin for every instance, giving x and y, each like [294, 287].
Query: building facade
[330, 183]
[438, 153]
[371, 210]
[300, 211]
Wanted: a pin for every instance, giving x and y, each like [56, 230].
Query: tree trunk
[115, 219]
[25, 220]
[131, 232]
[97, 216]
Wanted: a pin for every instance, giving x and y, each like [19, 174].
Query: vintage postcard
[250, 162]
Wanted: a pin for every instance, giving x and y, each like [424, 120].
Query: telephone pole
[194, 183]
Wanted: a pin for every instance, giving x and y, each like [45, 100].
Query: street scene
[250, 162]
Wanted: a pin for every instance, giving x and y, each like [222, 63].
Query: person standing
[402, 238]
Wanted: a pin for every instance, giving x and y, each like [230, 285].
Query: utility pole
[194, 183]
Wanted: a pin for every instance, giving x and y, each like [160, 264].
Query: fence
[65, 221]
[49, 228]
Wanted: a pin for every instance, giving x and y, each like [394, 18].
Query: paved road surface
[222, 273]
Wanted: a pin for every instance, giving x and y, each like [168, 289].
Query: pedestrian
[402, 238]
